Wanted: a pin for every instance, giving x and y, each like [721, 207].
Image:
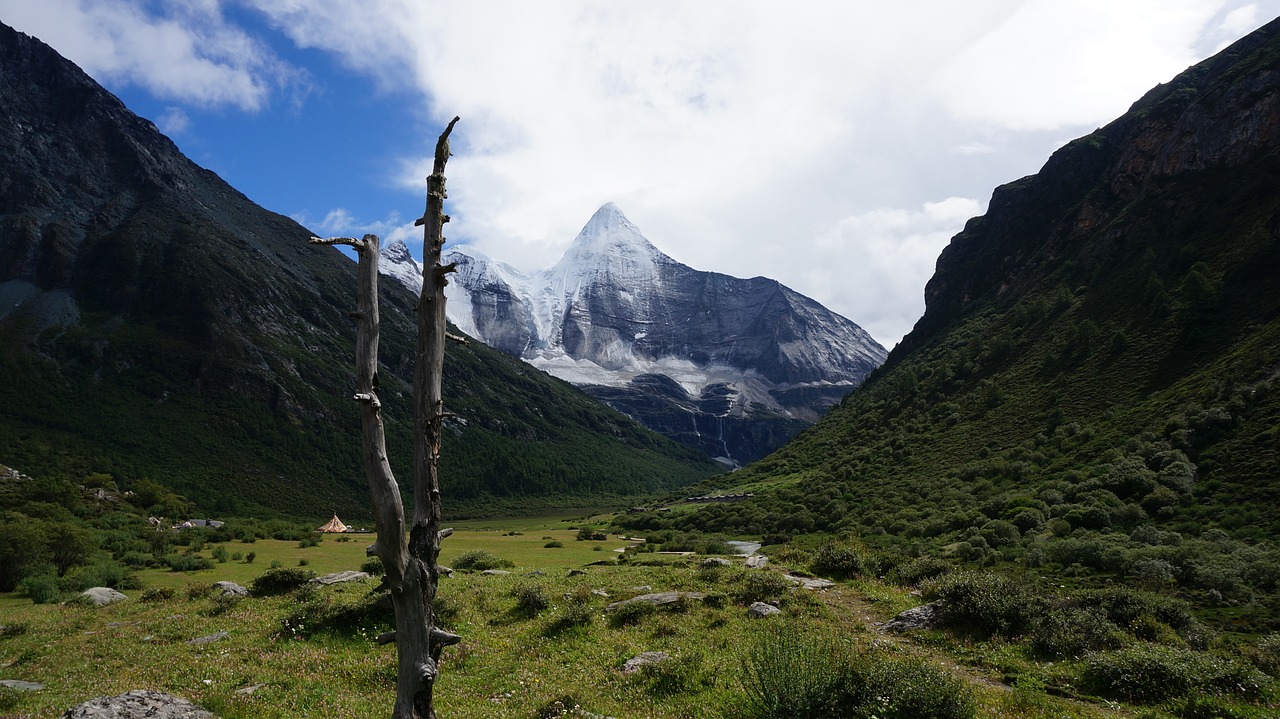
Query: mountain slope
[731, 366]
[155, 322]
[1094, 379]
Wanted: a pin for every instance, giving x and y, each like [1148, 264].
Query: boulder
[496, 572]
[210, 639]
[341, 577]
[760, 610]
[229, 589]
[925, 616]
[657, 599]
[102, 596]
[20, 686]
[810, 582]
[138, 704]
[757, 561]
[644, 659]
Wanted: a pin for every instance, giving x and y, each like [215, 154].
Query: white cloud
[189, 53]
[874, 265]
[1054, 64]
[174, 121]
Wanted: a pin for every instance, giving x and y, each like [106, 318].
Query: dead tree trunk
[409, 558]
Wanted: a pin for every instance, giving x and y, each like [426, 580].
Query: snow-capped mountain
[733, 366]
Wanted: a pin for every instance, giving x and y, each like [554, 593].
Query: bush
[1149, 674]
[918, 570]
[790, 675]
[1266, 655]
[531, 599]
[373, 566]
[221, 553]
[760, 587]
[157, 594]
[842, 561]
[591, 535]
[480, 560]
[630, 613]
[103, 573]
[248, 558]
[986, 603]
[42, 588]
[553, 544]
[677, 675]
[571, 617]
[280, 581]
[188, 563]
[1071, 632]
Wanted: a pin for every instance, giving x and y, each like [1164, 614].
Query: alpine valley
[156, 324]
[729, 366]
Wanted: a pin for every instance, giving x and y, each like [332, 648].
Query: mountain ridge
[167, 327]
[732, 366]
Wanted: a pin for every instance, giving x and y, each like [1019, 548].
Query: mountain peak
[609, 237]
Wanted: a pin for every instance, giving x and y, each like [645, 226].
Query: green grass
[517, 657]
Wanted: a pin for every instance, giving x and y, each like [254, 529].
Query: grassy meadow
[536, 643]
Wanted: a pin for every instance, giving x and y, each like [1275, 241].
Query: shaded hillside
[156, 323]
[1094, 379]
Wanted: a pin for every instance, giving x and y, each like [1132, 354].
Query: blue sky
[834, 146]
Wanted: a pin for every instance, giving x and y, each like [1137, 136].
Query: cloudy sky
[835, 146]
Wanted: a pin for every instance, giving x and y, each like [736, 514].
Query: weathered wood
[424, 537]
[409, 560]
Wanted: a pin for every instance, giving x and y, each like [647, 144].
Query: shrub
[248, 558]
[373, 566]
[103, 573]
[677, 675]
[188, 563]
[221, 553]
[590, 535]
[1266, 655]
[790, 675]
[571, 617]
[1069, 632]
[42, 588]
[1148, 674]
[531, 599]
[630, 613]
[842, 561]
[157, 594]
[918, 570]
[760, 587]
[480, 560]
[304, 562]
[237, 556]
[280, 581]
[986, 603]
[199, 591]
[553, 544]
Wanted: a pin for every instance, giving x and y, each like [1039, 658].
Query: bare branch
[456, 338]
[358, 244]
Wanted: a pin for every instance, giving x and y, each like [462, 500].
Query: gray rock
[644, 659]
[496, 572]
[759, 610]
[925, 616]
[102, 596]
[341, 578]
[657, 599]
[210, 639]
[230, 589]
[138, 704]
[757, 561]
[714, 562]
[811, 583]
[246, 691]
[599, 593]
[21, 686]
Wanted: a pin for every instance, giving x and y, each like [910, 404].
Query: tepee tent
[334, 525]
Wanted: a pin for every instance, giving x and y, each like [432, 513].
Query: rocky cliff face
[734, 367]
